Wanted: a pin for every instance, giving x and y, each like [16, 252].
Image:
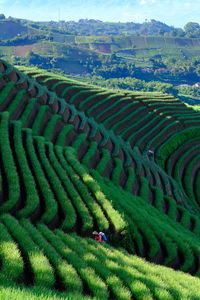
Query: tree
[192, 29]
[2, 17]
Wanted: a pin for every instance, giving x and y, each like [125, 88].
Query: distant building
[161, 70]
[146, 70]
[183, 85]
[197, 84]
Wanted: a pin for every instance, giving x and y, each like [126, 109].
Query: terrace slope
[74, 158]
[146, 121]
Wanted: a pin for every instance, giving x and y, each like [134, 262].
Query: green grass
[51, 206]
[71, 181]
[40, 116]
[32, 199]
[92, 205]
[12, 178]
[41, 271]
[12, 262]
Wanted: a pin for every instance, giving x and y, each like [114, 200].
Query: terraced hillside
[75, 158]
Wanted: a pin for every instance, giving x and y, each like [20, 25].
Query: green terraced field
[75, 158]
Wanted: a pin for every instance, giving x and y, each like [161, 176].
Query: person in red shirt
[97, 237]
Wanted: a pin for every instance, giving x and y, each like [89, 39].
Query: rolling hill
[77, 158]
[148, 51]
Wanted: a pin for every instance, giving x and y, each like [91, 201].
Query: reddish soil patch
[22, 50]
[104, 48]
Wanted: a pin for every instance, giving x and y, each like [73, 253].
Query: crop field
[76, 158]
[140, 42]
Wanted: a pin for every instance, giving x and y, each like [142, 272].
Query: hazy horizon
[172, 12]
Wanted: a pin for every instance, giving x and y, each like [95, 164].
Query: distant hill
[10, 29]
[151, 51]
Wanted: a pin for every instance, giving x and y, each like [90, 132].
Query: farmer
[150, 152]
[97, 237]
[103, 236]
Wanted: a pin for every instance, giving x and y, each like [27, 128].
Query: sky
[171, 12]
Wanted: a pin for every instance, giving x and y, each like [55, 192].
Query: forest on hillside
[151, 56]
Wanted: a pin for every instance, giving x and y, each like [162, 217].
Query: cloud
[187, 4]
[144, 2]
[5, 2]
